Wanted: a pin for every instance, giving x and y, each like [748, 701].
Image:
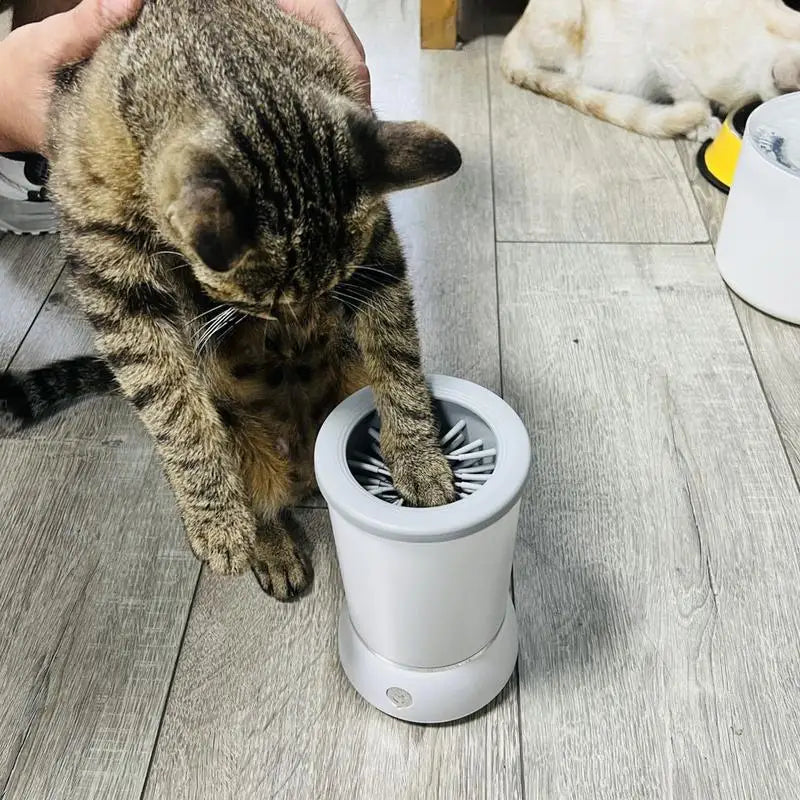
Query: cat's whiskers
[366, 302]
[204, 313]
[212, 327]
[376, 281]
[212, 330]
[347, 304]
[351, 293]
[366, 291]
[201, 335]
[373, 268]
[290, 307]
[230, 328]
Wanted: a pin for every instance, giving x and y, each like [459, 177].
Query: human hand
[31, 54]
[328, 17]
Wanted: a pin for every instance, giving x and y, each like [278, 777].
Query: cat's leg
[386, 332]
[280, 561]
[527, 67]
[626, 111]
[140, 334]
[679, 87]
[705, 130]
[387, 335]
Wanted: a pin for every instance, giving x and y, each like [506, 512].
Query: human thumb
[77, 33]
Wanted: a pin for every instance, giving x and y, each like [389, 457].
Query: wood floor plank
[28, 269]
[97, 579]
[710, 200]
[97, 584]
[447, 229]
[259, 704]
[62, 332]
[658, 573]
[775, 348]
[774, 345]
[260, 707]
[562, 176]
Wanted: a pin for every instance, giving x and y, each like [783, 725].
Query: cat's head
[284, 213]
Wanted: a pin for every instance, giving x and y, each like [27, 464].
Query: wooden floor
[569, 265]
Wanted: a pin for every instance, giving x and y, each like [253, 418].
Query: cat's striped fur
[221, 195]
[28, 398]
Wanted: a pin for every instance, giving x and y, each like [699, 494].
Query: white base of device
[429, 695]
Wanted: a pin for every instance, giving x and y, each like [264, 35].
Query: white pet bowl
[428, 632]
[757, 249]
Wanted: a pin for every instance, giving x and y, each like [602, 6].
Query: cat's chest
[294, 358]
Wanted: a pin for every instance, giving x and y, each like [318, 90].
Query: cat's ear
[209, 210]
[398, 155]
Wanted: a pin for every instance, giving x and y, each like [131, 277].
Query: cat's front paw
[280, 564]
[424, 478]
[226, 546]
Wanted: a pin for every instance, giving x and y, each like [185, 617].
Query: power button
[398, 697]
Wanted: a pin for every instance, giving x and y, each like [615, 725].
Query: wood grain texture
[259, 705]
[710, 200]
[563, 176]
[775, 348]
[447, 229]
[658, 572]
[97, 583]
[61, 332]
[260, 708]
[28, 269]
[97, 580]
[774, 345]
[437, 24]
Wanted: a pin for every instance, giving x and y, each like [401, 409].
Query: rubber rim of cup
[346, 497]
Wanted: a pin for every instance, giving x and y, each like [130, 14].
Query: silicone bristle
[453, 432]
[472, 466]
[473, 456]
[467, 448]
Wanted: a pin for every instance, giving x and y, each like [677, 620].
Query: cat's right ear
[209, 210]
[399, 155]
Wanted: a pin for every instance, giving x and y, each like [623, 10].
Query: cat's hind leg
[281, 562]
[689, 117]
[280, 559]
[538, 66]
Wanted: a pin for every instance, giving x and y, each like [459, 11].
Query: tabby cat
[657, 67]
[221, 194]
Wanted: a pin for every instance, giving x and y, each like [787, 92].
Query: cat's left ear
[398, 155]
[208, 209]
